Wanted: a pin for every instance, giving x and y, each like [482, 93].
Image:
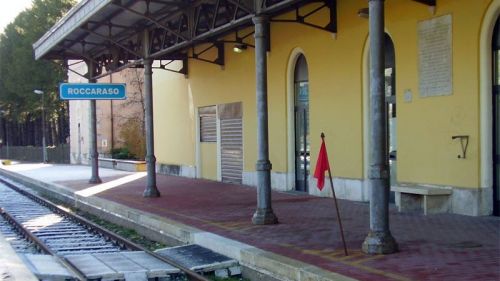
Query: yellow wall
[173, 119]
[211, 85]
[333, 110]
[208, 161]
[426, 153]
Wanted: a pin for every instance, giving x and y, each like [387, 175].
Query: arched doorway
[301, 122]
[495, 47]
[390, 101]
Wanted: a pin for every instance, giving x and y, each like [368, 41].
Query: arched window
[302, 140]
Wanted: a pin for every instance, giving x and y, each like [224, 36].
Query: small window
[208, 124]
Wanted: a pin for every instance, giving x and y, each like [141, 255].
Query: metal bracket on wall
[164, 66]
[431, 3]
[67, 67]
[220, 60]
[331, 5]
[464, 142]
[240, 39]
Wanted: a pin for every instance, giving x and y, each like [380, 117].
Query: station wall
[338, 86]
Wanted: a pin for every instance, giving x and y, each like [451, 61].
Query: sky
[9, 9]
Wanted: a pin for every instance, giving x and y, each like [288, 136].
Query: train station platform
[305, 245]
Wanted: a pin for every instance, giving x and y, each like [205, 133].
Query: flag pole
[336, 204]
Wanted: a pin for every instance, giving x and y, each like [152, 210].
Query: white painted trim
[250, 178]
[188, 171]
[485, 89]
[278, 180]
[345, 188]
[472, 201]
[290, 95]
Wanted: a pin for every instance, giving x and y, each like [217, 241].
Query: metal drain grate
[202, 260]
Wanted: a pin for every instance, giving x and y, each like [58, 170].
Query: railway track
[18, 243]
[86, 250]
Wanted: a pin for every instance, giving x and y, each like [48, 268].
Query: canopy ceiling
[110, 32]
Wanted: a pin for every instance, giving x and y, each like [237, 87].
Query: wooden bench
[429, 200]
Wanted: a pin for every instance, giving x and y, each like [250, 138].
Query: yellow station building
[441, 71]
[439, 88]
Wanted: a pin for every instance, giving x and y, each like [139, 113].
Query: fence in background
[57, 154]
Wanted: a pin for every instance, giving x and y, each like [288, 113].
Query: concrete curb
[169, 231]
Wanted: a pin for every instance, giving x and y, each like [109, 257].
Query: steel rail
[119, 240]
[42, 246]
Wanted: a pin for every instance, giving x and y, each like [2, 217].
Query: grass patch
[126, 233]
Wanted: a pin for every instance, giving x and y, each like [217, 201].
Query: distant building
[113, 117]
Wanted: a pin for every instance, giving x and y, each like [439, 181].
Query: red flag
[322, 166]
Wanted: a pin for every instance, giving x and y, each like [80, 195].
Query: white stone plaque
[435, 56]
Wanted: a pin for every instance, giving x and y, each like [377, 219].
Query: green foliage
[133, 137]
[20, 74]
[122, 153]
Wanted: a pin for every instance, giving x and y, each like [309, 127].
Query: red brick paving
[434, 247]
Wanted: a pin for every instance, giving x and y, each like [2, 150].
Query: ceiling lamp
[239, 48]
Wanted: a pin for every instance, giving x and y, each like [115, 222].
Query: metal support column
[94, 155]
[379, 239]
[264, 213]
[151, 189]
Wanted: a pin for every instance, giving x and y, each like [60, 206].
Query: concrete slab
[11, 266]
[136, 276]
[92, 268]
[119, 263]
[156, 268]
[47, 267]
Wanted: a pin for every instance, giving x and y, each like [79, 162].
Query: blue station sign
[92, 91]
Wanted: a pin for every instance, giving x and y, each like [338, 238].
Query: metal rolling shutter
[208, 124]
[208, 127]
[231, 138]
[231, 150]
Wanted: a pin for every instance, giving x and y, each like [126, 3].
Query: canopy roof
[110, 32]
